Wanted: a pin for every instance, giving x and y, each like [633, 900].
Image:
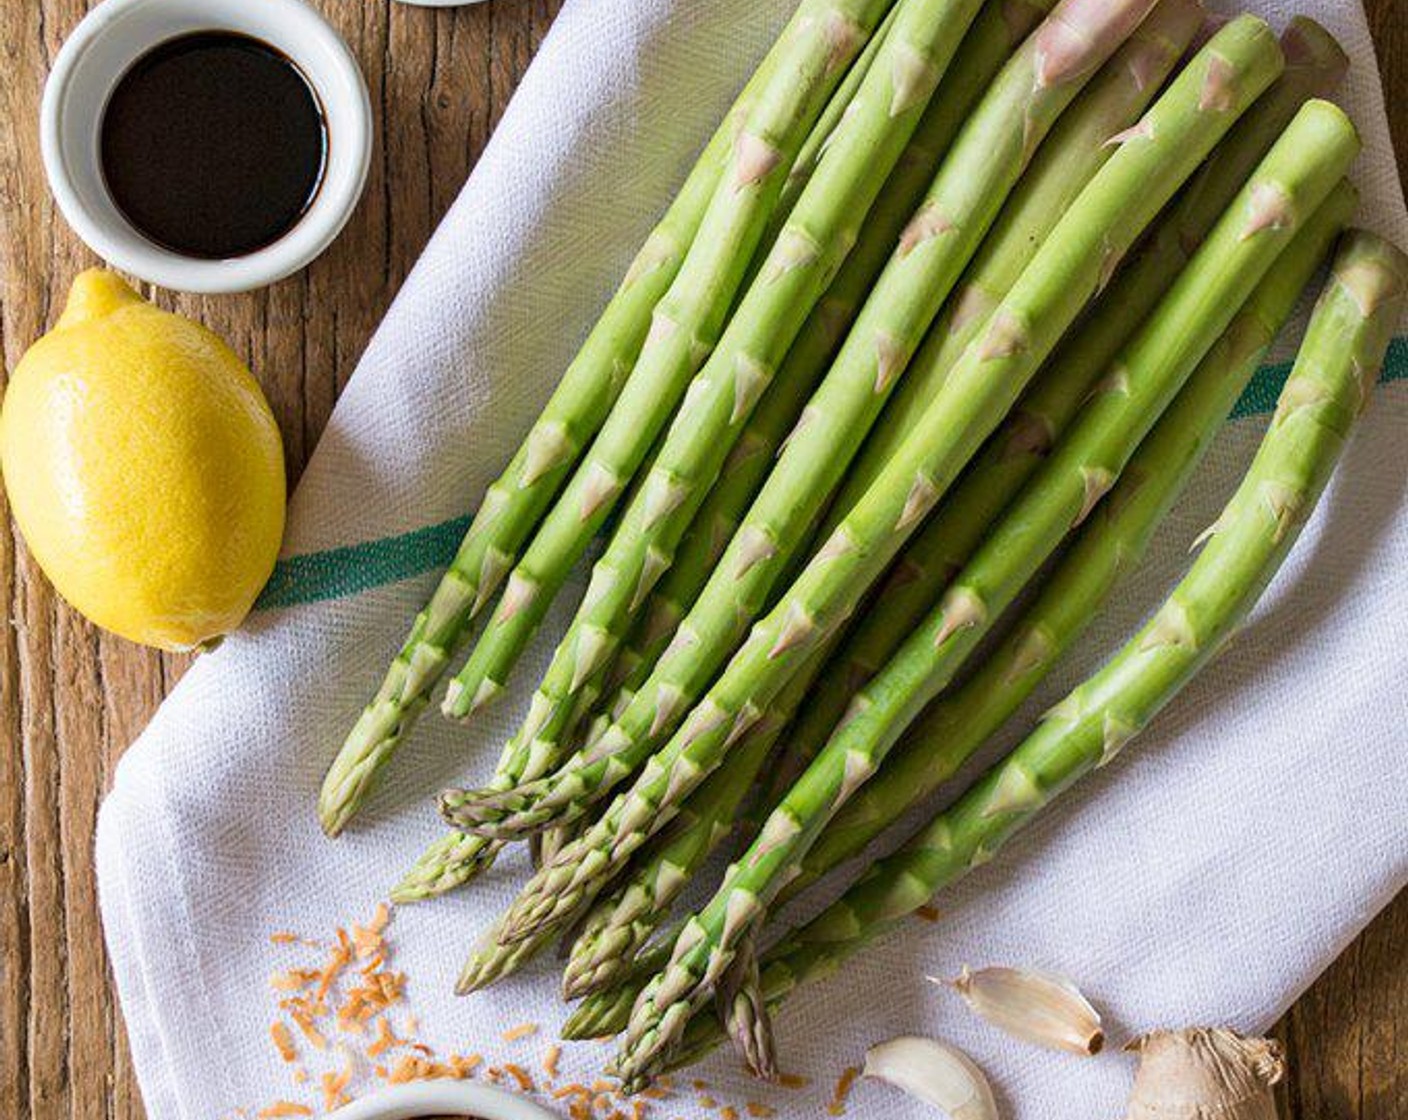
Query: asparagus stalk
[1109, 214]
[605, 1013]
[743, 1011]
[454, 860]
[814, 147]
[1068, 160]
[687, 323]
[995, 32]
[987, 159]
[622, 923]
[1296, 177]
[1315, 66]
[1112, 543]
[1332, 381]
[516, 501]
[811, 247]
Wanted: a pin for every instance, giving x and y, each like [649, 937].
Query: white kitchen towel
[1207, 877]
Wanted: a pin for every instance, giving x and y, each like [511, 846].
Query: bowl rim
[127, 29]
[420, 1100]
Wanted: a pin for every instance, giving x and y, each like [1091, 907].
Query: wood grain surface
[72, 699]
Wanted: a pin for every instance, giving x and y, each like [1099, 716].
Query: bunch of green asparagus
[931, 340]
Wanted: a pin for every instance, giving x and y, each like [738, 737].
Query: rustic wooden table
[71, 698]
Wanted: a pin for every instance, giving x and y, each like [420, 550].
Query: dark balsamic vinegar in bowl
[213, 145]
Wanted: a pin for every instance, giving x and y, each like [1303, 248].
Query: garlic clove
[1205, 1073]
[935, 1073]
[1039, 1007]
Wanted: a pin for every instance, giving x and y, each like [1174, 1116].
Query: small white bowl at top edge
[419, 1100]
[104, 46]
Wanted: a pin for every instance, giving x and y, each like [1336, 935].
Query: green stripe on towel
[340, 572]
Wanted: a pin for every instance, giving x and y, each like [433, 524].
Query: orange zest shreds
[601, 1085]
[300, 1076]
[837, 1107]
[601, 1102]
[367, 940]
[294, 979]
[283, 937]
[304, 1022]
[519, 1074]
[385, 1039]
[422, 1049]
[283, 1040]
[638, 1110]
[550, 1060]
[409, 1067]
[728, 1112]
[523, 1030]
[654, 1093]
[928, 913]
[283, 1108]
[464, 1065]
[366, 943]
[377, 962]
[380, 1071]
[793, 1081]
[494, 1075]
[572, 1090]
[761, 1111]
[698, 1084]
[335, 1089]
[708, 1102]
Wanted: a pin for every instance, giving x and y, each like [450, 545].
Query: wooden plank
[72, 699]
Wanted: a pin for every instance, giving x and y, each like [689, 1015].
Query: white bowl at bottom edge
[421, 1100]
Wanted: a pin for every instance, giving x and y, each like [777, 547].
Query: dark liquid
[213, 145]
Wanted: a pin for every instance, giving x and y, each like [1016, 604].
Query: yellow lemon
[144, 468]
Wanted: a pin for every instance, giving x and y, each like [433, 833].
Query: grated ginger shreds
[523, 1030]
[283, 1108]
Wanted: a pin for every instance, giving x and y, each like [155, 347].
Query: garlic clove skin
[1038, 1007]
[935, 1073]
[1205, 1074]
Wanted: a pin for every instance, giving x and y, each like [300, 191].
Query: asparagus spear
[625, 920]
[1109, 545]
[1296, 177]
[1341, 356]
[1182, 126]
[811, 247]
[987, 159]
[1315, 66]
[743, 1012]
[1066, 162]
[687, 323]
[814, 147]
[995, 31]
[515, 502]
[456, 858]
[605, 1013]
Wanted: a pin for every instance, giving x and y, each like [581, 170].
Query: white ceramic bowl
[421, 1099]
[96, 56]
